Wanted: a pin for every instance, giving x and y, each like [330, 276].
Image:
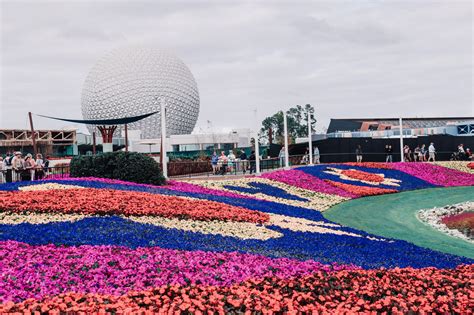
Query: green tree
[297, 124]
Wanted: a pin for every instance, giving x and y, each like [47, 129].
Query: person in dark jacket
[252, 162]
[359, 153]
[243, 161]
[388, 153]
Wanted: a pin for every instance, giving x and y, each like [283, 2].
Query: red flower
[109, 202]
[361, 190]
[360, 175]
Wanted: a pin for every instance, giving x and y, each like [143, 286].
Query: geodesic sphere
[131, 81]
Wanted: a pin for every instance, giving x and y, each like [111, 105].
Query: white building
[237, 138]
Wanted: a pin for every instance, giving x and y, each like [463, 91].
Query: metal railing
[190, 169]
[55, 172]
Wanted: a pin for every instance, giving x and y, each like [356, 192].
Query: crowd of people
[230, 163]
[420, 153]
[15, 167]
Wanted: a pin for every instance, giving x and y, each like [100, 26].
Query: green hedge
[128, 166]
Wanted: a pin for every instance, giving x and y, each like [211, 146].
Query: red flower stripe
[360, 175]
[471, 165]
[379, 165]
[390, 291]
[108, 201]
[362, 190]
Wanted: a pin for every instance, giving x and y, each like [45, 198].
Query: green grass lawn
[394, 216]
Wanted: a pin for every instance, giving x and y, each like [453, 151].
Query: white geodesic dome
[131, 81]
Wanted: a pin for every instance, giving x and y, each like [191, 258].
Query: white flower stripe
[48, 186]
[317, 201]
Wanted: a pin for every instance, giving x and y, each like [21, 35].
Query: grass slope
[394, 216]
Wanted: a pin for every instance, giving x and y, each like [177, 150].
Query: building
[239, 138]
[388, 127]
[49, 142]
[373, 134]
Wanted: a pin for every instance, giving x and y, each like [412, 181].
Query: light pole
[257, 148]
[401, 139]
[310, 138]
[285, 131]
[163, 139]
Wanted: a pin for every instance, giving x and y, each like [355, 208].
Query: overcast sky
[349, 59]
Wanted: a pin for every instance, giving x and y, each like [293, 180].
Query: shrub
[128, 166]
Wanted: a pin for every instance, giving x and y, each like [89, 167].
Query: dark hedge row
[128, 166]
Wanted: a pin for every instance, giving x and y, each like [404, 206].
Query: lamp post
[310, 138]
[163, 139]
[401, 139]
[257, 147]
[285, 131]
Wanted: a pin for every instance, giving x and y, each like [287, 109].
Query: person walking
[359, 153]
[417, 154]
[431, 153]
[423, 153]
[317, 158]
[406, 153]
[389, 154]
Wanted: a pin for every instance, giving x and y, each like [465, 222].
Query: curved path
[394, 216]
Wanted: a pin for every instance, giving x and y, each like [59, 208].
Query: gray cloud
[349, 59]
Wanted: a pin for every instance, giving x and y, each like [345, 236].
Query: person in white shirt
[39, 166]
[431, 153]
[316, 155]
[17, 167]
[281, 156]
[231, 160]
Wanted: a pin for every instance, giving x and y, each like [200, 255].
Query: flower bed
[383, 291]
[455, 220]
[228, 246]
[436, 174]
[107, 201]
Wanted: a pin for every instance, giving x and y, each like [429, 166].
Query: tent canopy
[115, 121]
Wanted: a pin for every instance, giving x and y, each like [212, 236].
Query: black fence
[338, 150]
[56, 172]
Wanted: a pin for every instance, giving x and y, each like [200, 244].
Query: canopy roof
[115, 121]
